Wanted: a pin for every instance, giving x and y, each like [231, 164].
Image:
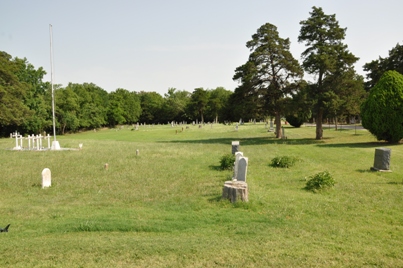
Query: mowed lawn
[163, 207]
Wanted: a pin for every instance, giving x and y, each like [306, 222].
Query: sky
[154, 45]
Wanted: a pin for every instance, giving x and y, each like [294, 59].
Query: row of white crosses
[34, 141]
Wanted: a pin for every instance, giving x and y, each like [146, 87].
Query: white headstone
[242, 169]
[46, 178]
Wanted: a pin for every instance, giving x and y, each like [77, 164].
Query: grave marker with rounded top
[242, 169]
[238, 156]
[46, 178]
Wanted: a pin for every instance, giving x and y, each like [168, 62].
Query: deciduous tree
[12, 94]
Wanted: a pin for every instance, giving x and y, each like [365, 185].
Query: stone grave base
[235, 191]
[380, 170]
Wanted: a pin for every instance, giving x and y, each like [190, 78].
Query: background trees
[382, 112]
[13, 110]
[176, 105]
[199, 100]
[376, 68]
[328, 59]
[270, 84]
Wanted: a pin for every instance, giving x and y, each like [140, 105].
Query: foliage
[376, 68]
[320, 181]
[13, 110]
[283, 161]
[217, 104]
[198, 103]
[271, 71]
[294, 121]
[152, 104]
[328, 59]
[382, 111]
[243, 103]
[36, 98]
[176, 106]
[227, 161]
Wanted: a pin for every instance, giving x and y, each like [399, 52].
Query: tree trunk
[277, 121]
[235, 191]
[335, 122]
[319, 128]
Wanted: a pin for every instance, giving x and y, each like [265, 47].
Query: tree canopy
[376, 68]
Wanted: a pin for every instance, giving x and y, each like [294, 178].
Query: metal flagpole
[51, 81]
[55, 143]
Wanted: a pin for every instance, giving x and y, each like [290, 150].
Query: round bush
[227, 161]
[382, 111]
[294, 121]
[283, 161]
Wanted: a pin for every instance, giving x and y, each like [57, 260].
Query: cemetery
[154, 196]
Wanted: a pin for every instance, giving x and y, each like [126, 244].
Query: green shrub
[227, 161]
[320, 181]
[295, 121]
[283, 161]
[382, 111]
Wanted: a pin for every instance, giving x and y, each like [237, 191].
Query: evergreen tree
[328, 59]
[271, 73]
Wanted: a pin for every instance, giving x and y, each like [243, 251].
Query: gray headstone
[46, 178]
[235, 147]
[242, 169]
[238, 156]
[382, 159]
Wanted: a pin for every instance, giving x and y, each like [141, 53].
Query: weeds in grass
[283, 161]
[320, 181]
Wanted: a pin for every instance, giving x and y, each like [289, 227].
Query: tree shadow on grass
[365, 170]
[253, 141]
[355, 145]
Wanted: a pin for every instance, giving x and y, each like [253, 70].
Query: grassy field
[163, 207]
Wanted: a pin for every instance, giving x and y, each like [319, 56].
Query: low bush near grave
[320, 181]
[283, 161]
[227, 161]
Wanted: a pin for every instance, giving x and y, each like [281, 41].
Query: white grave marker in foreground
[46, 178]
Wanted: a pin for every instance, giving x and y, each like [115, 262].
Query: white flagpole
[55, 144]
[51, 81]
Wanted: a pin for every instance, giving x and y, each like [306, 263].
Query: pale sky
[153, 45]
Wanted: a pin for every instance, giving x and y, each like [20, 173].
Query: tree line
[271, 84]
[26, 103]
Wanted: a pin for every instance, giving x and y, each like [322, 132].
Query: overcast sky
[153, 45]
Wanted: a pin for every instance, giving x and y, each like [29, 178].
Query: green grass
[162, 208]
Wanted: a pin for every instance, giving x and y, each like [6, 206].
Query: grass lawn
[163, 207]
